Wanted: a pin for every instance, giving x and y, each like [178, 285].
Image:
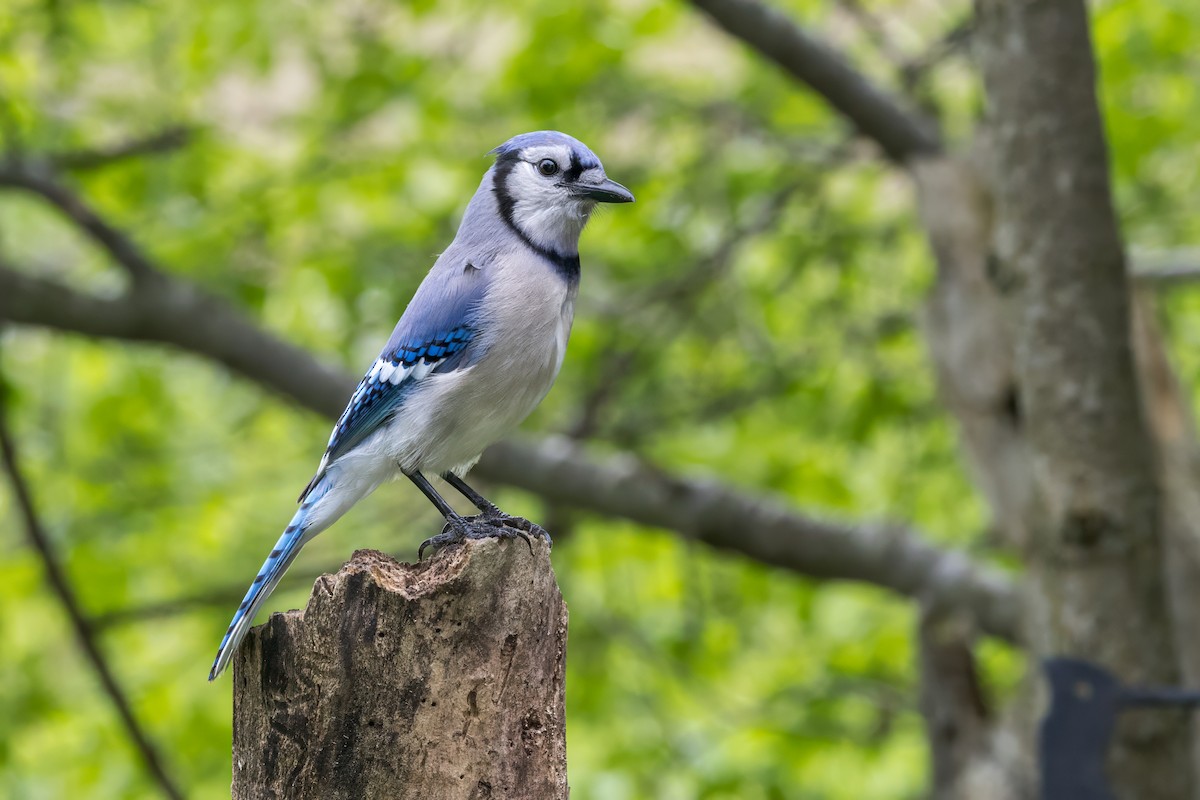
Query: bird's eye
[547, 166]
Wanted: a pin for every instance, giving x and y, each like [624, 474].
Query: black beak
[608, 192]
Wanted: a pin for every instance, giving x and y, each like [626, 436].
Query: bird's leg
[489, 509]
[491, 512]
[456, 529]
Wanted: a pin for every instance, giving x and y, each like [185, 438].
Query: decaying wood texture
[443, 679]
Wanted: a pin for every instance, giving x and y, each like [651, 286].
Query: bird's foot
[455, 531]
[499, 519]
[488, 525]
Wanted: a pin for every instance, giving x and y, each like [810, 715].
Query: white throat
[542, 213]
[554, 228]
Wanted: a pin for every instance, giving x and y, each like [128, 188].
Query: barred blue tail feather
[285, 551]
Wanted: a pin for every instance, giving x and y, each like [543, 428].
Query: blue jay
[476, 350]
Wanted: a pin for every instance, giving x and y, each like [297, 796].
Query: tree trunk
[440, 679]
[1095, 554]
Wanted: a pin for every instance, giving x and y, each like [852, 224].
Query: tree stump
[438, 680]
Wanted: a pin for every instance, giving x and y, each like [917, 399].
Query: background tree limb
[165, 141]
[902, 133]
[888, 555]
[171, 311]
[39, 178]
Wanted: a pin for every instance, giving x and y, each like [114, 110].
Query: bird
[475, 351]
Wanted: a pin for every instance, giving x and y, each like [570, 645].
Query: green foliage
[754, 316]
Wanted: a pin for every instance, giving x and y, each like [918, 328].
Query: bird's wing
[438, 333]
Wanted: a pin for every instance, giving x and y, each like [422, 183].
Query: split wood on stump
[443, 679]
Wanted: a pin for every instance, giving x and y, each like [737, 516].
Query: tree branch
[1166, 268]
[219, 597]
[165, 141]
[902, 133]
[175, 312]
[954, 41]
[40, 179]
[879, 33]
[888, 555]
[160, 308]
[952, 700]
[57, 577]
[172, 311]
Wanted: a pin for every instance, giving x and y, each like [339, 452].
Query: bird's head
[547, 184]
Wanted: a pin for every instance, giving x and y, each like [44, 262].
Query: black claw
[453, 532]
[437, 543]
[427, 543]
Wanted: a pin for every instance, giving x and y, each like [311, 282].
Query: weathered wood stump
[438, 680]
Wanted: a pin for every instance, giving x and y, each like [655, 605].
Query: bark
[951, 699]
[1095, 558]
[970, 339]
[971, 343]
[440, 679]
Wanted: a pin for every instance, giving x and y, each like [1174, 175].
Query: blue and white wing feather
[433, 336]
[438, 333]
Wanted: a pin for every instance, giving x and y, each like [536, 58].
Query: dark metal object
[1085, 700]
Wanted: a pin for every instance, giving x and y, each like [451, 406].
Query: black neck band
[565, 265]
